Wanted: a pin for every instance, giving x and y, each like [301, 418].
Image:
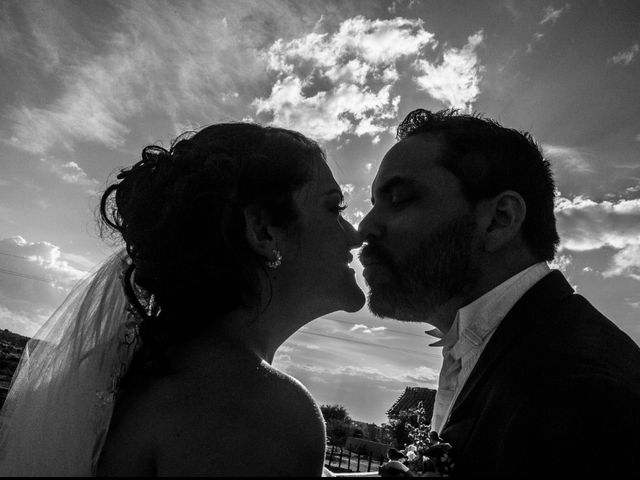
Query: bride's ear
[259, 232]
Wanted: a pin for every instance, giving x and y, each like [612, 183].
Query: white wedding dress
[58, 409]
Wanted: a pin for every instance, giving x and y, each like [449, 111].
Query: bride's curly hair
[180, 214]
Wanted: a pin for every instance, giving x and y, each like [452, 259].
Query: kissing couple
[160, 362]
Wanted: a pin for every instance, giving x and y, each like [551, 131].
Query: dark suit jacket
[555, 392]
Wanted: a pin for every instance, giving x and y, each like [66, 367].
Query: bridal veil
[57, 413]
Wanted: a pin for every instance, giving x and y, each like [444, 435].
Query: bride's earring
[273, 264]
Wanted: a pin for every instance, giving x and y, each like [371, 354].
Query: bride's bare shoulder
[128, 448]
[246, 419]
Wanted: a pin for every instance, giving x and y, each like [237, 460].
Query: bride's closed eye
[341, 207]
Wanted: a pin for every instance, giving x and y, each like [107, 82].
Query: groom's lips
[372, 263]
[374, 271]
[368, 261]
[370, 256]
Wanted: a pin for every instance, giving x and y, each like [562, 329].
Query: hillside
[11, 348]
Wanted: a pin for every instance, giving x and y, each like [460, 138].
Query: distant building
[410, 399]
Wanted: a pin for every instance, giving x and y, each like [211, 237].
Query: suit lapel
[532, 305]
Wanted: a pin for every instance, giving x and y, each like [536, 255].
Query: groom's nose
[369, 227]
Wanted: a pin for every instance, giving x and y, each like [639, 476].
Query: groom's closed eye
[397, 191]
[400, 196]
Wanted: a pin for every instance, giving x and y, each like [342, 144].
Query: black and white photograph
[353, 238]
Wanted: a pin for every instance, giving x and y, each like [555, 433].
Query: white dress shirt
[469, 334]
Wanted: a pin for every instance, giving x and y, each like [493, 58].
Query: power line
[16, 256]
[20, 274]
[24, 275]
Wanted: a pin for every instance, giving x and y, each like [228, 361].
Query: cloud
[198, 63]
[43, 260]
[355, 197]
[333, 84]
[587, 225]
[282, 358]
[625, 57]
[552, 15]
[511, 7]
[366, 329]
[626, 262]
[327, 116]
[568, 159]
[100, 96]
[633, 304]
[549, 15]
[181, 63]
[9, 34]
[455, 81]
[354, 216]
[536, 38]
[20, 323]
[561, 262]
[35, 277]
[328, 85]
[347, 189]
[71, 172]
[419, 375]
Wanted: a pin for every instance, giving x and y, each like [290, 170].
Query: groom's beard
[413, 287]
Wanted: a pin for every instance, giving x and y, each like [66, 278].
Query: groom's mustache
[372, 253]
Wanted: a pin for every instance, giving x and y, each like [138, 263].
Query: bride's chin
[354, 301]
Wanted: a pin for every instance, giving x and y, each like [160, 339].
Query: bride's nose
[354, 239]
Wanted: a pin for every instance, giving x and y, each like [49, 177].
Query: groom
[533, 376]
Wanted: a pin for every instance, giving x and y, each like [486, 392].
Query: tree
[372, 432]
[335, 412]
[398, 428]
[385, 435]
[338, 423]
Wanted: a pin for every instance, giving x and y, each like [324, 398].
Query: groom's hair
[488, 159]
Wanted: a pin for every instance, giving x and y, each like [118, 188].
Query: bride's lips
[348, 262]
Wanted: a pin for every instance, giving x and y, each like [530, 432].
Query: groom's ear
[259, 232]
[502, 217]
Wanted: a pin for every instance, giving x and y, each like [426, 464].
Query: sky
[87, 84]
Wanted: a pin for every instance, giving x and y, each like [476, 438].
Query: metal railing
[341, 460]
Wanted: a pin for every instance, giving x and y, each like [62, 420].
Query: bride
[160, 363]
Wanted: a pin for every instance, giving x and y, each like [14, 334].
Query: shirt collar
[475, 321]
[450, 338]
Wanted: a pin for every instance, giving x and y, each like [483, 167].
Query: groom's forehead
[409, 159]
